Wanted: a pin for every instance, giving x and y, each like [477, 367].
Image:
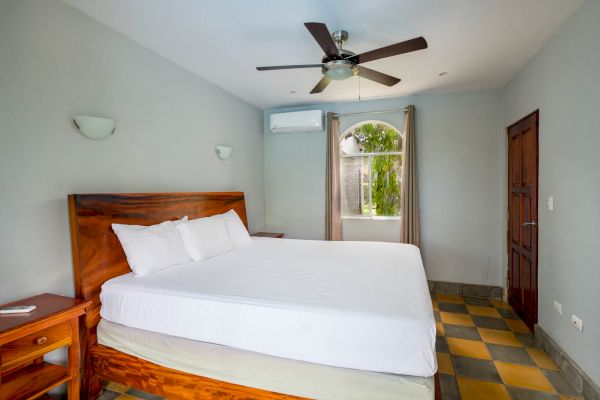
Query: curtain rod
[370, 112]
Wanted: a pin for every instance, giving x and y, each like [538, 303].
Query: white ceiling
[481, 44]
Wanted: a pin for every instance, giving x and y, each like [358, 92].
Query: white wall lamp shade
[224, 152]
[95, 127]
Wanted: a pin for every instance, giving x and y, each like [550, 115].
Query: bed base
[98, 257]
[115, 366]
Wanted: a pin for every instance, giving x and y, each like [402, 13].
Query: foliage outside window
[371, 162]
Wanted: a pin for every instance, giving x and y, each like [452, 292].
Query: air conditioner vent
[297, 122]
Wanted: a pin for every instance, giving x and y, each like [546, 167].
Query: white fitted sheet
[361, 305]
[257, 370]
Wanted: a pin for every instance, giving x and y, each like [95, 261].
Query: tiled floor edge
[584, 385]
[466, 289]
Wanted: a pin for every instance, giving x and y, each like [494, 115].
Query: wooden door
[523, 217]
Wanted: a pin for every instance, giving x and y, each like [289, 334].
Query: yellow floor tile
[483, 311]
[468, 348]
[435, 305]
[445, 364]
[542, 359]
[516, 325]
[524, 376]
[501, 304]
[117, 387]
[471, 389]
[456, 319]
[495, 336]
[439, 329]
[126, 397]
[449, 298]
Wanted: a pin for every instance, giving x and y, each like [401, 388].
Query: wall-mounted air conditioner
[297, 122]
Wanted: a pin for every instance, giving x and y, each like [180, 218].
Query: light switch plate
[557, 307]
[550, 203]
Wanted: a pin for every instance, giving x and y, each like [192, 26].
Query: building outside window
[371, 155]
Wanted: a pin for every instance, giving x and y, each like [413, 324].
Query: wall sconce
[224, 152]
[95, 127]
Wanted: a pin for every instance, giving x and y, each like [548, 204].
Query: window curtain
[333, 197]
[410, 194]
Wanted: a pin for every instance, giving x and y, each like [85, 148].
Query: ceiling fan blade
[376, 76]
[388, 51]
[323, 38]
[289, 67]
[321, 85]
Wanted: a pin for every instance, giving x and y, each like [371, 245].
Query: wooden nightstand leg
[91, 386]
[73, 359]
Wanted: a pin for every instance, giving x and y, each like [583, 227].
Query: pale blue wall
[460, 141]
[563, 81]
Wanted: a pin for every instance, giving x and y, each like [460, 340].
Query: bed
[276, 319]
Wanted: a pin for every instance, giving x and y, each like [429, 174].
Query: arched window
[371, 154]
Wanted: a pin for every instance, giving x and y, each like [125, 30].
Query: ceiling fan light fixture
[339, 74]
[340, 70]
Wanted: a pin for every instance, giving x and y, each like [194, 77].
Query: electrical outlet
[557, 307]
[577, 322]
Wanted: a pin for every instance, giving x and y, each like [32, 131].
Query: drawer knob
[41, 340]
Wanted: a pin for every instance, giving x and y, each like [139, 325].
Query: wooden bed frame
[98, 257]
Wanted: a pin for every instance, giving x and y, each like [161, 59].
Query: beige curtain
[410, 194]
[333, 197]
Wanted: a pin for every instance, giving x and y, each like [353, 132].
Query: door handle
[532, 224]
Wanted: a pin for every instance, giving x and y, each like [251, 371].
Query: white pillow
[205, 237]
[151, 248]
[236, 228]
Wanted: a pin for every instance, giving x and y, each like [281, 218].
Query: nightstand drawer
[35, 345]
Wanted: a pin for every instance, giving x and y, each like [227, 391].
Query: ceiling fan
[340, 63]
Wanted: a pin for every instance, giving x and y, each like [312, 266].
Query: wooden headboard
[97, 253]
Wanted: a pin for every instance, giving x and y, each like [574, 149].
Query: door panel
[515, 277]
[515, 160]
[525, 273]
[529, 151]
[526, 231]
[526, 283]
[522, 217]
[515, 218]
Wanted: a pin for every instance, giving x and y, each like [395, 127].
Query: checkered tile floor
[484, 351]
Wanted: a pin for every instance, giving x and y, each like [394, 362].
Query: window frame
[370, 156]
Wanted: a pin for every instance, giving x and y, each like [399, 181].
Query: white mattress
[256, 370]
[361, 305]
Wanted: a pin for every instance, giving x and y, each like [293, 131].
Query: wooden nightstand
[25, 338]
[269, 234]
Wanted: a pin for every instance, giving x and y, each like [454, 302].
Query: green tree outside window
[385, 187]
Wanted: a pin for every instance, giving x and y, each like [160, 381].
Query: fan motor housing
[345, 53]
